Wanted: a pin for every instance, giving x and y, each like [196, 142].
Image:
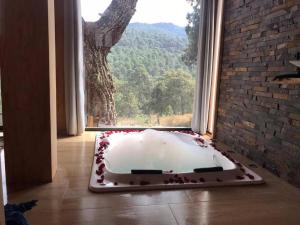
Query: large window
[153, 81]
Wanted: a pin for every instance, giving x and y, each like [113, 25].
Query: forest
[154, 86]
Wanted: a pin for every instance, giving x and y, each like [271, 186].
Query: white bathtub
[149, 160]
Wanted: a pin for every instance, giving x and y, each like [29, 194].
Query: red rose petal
[238, 177]
[238, 164]
[99, 172]
[250, 176]
[144, 182]
[180, 181]
[101, 166]
[100, 180]
[225, 154]
[98, 160]
[201, 140]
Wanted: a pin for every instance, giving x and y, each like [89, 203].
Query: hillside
[156, 47]
[150, 78]
[167, 28]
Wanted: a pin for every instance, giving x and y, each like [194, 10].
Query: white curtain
[74, 68]
[210, 27]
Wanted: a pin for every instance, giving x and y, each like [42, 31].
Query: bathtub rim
[95, 187]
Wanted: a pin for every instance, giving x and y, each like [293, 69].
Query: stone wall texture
[256, 116]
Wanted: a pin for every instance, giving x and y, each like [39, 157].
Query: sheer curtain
[210, 27]
[74, 68]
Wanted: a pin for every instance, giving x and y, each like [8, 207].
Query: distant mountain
[169, 28]
[152, 36]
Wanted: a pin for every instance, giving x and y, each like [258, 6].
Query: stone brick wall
[257, 117]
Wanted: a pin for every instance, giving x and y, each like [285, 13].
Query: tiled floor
[67, 200]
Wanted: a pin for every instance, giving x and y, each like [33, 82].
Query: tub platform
[134, 171]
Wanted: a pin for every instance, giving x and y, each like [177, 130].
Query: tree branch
[109, 28]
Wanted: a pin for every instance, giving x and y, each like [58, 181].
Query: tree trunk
[99, 38]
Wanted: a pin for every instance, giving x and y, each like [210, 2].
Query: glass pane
[153, 79]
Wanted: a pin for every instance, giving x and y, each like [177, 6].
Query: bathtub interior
[161, 150]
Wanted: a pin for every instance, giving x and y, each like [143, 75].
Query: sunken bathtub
[151, 159]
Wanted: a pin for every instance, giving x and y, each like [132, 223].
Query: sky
[147, 11]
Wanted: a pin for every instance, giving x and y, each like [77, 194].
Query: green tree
[192, 30]
[140, 84]
[169, 110]
[127, 104]
[158, 104]
[179, 91]
[172, 94]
